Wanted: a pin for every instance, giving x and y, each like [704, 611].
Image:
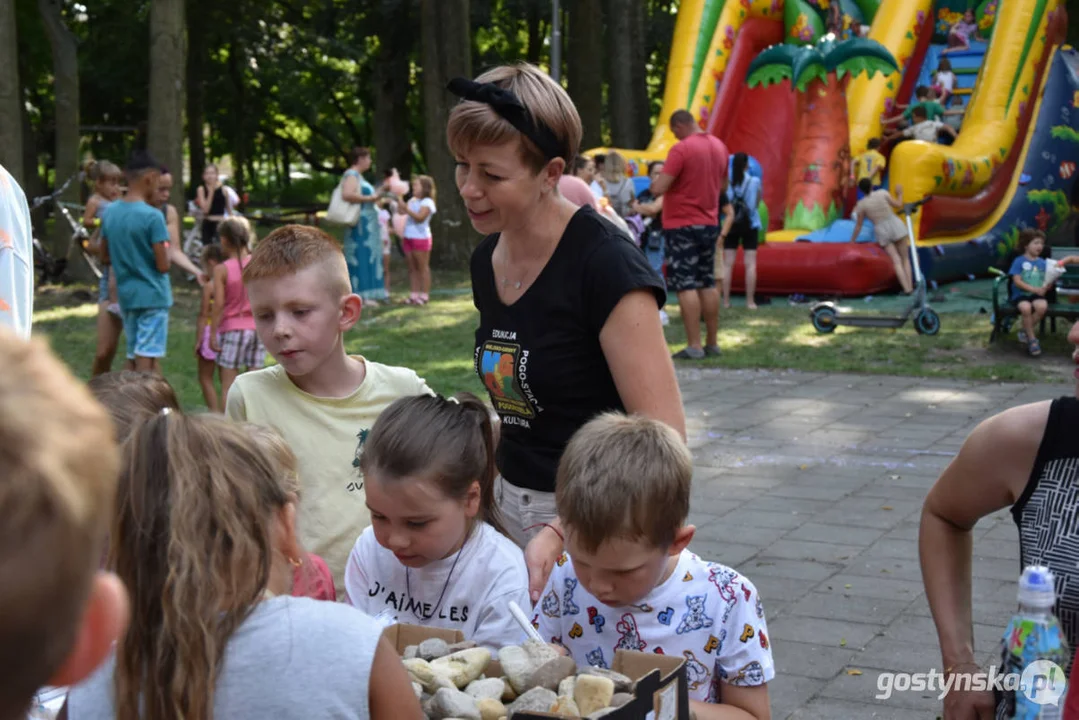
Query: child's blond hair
[59, 463]
[428, 184]
[292, 248]
[132, 397]
[624, 477]
[278, 449]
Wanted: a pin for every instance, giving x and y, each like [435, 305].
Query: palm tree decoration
[820, 166]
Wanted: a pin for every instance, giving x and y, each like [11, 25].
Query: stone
[566, 707]
[566, 686]
[447, 703]
[622, 683]
[410, 653]
[463, 667]
[491, 709]
[430, 679]
[536, 700]
[432, 648]
[418, 689]
[493, 688]
[551, 673]
[540, 652]
[593, 693]
[620, 698]
[459, 646]
[510, 694]
[518, 666]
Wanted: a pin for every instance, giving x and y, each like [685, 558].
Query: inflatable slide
[1012, 165]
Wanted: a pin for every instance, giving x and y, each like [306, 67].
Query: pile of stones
[450, 682]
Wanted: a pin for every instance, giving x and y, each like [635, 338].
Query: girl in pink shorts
[417, 240]
[233, 334]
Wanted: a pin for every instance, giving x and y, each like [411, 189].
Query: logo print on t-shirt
[361, 440]
[498, 366]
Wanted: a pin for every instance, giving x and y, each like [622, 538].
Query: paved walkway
[811, 485]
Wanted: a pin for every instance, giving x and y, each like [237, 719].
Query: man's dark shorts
[692, 257]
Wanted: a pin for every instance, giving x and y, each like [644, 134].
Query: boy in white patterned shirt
[628, 582]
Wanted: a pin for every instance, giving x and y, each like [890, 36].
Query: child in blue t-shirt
[628, 581]
[1030, 286]
[135, 242]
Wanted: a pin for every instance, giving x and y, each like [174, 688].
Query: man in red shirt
[692, 180]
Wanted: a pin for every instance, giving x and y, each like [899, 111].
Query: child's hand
[215, 342]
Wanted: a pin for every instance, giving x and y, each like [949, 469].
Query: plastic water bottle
[1033, 649]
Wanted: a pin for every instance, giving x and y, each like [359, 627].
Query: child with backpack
[744, 192]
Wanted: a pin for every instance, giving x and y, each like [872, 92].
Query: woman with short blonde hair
[568, 306]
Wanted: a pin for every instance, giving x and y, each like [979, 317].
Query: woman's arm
[176, 253]
[728, 220]
[350, 191]
[640, 362]
[989, 474]
[203, 199]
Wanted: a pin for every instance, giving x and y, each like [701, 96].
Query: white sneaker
[664, 318]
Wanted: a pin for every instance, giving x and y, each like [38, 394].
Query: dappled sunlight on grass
[54, 314]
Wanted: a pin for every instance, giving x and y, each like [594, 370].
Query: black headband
[510, 108]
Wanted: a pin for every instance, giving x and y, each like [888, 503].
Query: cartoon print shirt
[540, 358]
[1032, 272]
[327, 435]
[16, 257]
[488, 574]
[704, 612]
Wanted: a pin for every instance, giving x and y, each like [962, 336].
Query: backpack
[742, 216]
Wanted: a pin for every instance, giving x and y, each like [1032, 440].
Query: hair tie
[512, 110]
[453, 400]
[165, 411]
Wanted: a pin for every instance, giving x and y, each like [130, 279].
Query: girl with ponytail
[436, 553]
[204, 538]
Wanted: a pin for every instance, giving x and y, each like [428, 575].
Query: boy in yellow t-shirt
[869, 164]
[322, 400]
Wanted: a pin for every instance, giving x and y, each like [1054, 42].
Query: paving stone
[865, 688]
[760, 535]
[822, 633]
[826, 708]
[848, 607]
[878, 587]
[805, 550]
[731, 554]
[788, 692]
[801, 570]
[819, 532]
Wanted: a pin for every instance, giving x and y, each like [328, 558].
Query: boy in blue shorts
[628, 581]
[135, 241]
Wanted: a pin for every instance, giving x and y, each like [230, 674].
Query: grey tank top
[102, 205]
[292, 659]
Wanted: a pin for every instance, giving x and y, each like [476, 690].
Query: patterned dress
[363, 248]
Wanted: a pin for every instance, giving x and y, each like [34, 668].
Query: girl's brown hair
[192, 540]
[212, 253]
[132, 398]
[237, 231]
[428, 184]
[455, 448]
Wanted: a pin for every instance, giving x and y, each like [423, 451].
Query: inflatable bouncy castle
[1013, 164]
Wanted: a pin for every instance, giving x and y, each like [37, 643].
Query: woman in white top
[417, 240]
[204, 539]
[891, 232]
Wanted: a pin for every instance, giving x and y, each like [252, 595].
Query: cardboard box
[662, 691]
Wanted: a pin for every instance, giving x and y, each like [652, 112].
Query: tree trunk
[391, 90]
[820, 163]
[238, 139]
[165, 136]
[65, 64]
[620, 57]
[447, 53]
[584, 68]
[642, 116]
[286, 166]
[10, 95]
[536, 35]
[196, 95]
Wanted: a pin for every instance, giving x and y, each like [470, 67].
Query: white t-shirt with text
[704, 612]
[419, 230]
[489, 573]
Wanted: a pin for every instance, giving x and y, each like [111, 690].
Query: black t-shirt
[540, 358]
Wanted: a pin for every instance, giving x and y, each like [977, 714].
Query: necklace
[516, 284]
[441, 595]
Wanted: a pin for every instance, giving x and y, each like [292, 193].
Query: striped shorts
[241, 349]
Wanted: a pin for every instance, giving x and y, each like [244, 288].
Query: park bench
[1005, 314]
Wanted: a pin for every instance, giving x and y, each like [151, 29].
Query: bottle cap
[1036, 587]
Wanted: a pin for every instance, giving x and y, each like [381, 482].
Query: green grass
[437, 340]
